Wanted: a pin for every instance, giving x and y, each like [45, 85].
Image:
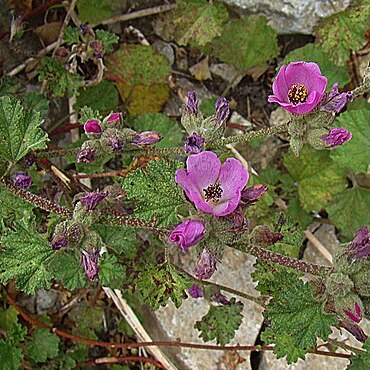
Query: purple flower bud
[194, 144]
[206, 265]
[253, 193]
[238, 219]
[361, 243]
[335, 100]
[92, 126]
[86, 155]
[59, 242]
[192, 104]
[90, 262]
[92, 200]
[355, 330]
[222, 108]
[263, 236]
[115, 119]
[337, 136]
[195, 291]
[22, 181]
[98, 48]
[86, 30]
[220, 298]
[356, 316]
[147, 138]
[115, 143]
[187, 234]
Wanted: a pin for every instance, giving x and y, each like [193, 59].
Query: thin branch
[115, 360]
[108, 345]
[318, 245]
[56, 153]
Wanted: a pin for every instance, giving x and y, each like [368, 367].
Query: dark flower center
[297, 94]
[213, 192]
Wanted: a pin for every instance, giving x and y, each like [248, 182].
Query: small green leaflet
[310, 53]
[296, 320]
[20, 130]
[25, 258]
[172, 134]
[10, 356]
[362, 360]
[355, 153]
[110, 272]
[246, 43]
[66, 267]
[350, 210]
[159, 283]
[221, 322]
[108, 39]
[194, 22]
[43, 345]
[155, 191]
[319, 178]
[71, 35]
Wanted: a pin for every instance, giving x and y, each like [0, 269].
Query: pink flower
[92, 126]
[213, 187]
[115, 119]
[337, 136]
[298, 87]
[335, 100]
[187, 234]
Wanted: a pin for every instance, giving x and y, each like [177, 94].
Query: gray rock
[291, 16]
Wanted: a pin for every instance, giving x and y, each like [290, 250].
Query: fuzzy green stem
[248, 136]
[293, 263]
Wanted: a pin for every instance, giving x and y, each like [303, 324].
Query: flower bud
[253, 193]
[192, 103]
[263, 236]
[335, 100]
[361, 243]
[86, 30]
[91, 200]
[194, 144]
[86, 155]
[222, 113]
[92, 126]
[59, 242]
[355, 314]
[90, 262]
[354, 330]
[147, 138]
[337, 136]
[220, 298]
[113, 139]
[195, 291]
[115, 119]
[187, 234]
[206, 266]
[349, 307]
[240, 223]
[30, 159]
[98, 48]
[22, 181]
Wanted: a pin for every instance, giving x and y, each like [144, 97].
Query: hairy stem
[56, 153]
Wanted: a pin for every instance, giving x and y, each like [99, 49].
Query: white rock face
[291, 16]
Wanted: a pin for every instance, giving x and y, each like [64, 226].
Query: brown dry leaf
[201, 70]
[20, 6]
[230, 360]
[256, 72]
[48, 32]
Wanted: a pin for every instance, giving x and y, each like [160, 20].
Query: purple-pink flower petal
[187, 234]
[337, 136]
[195, 291]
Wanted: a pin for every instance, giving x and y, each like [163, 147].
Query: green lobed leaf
[350, 210]
[355, 153]
[294, 313]
[194, 22]
[318, 177]
[25, 258]
[14, 331]
[171, 133]
[66, 267]
[71, 35]
[221, 322]
[10, 356]
[246, 43]
[111, 274]
[43, 345]
[155, 192]
[157, 284]
[362, 360]
[94, 11]
[311, 53]
[20, 130]
[343, 32]
[108, 39]
[37, 102]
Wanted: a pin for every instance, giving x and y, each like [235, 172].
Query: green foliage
[169, 129]
[20, 130]
[221, 322]
[10, 356]
[311, 53]
[296, 320]
[207, 106]
[87, 113]
[350, 210]
[43, 345]
[71, 35]
[246, 43]
[66, 267]
[110, 272]
[25, 258]
[156, 194]
[58, 79]
[355, 153]
[194, 22]
[362, 360]
[343, 32]
[94, 11]
[319, 178]
[108, 39]
[103, 97]
[157, 284]
[36, 102]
